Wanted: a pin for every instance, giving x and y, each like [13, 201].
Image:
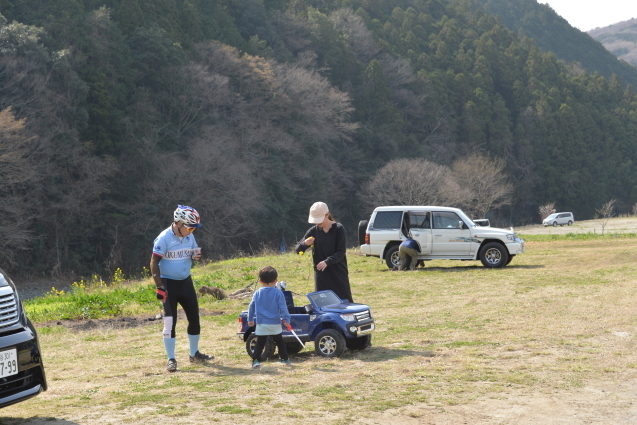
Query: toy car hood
[328, 301]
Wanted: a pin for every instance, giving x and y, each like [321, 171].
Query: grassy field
[559, 318]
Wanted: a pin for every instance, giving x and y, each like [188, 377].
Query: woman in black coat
[330, 262]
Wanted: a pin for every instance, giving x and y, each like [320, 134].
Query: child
[268, 309]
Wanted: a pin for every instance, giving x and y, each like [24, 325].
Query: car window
[552, 216]
[325, 298]
[387, 220]
[445, 220]
[419, 220]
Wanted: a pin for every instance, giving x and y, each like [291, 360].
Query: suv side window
[445, 220]
[387, 220]
[419, 220]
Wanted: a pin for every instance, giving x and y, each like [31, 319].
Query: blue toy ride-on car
[333, 324]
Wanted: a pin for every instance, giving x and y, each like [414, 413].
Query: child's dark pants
[278, 340]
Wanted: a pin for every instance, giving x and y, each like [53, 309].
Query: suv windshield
[325, 298]
[552, 215]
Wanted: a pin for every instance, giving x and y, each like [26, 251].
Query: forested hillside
[552, 33]
[620, 39]
[251, 110]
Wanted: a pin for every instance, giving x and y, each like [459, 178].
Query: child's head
[268, 274]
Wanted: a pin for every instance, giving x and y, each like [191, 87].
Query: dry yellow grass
[453, 340]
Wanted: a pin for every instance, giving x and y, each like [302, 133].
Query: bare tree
[413, 182]
[485, 181]
[546, 210]
[635, 210]
[605, 213]
[18, 172]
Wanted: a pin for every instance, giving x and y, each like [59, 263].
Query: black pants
[182, 292]
[278, 340]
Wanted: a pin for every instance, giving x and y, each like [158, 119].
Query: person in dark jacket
[410, 248]
[330, 263]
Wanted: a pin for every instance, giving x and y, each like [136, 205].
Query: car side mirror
[308, 308]
[460, 224]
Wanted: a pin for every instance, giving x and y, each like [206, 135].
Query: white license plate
[8, 363]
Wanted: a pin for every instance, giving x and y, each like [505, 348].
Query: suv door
[419, 224]
[451, 236]
[383, 228]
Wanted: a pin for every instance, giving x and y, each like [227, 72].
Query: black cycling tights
[182, 292]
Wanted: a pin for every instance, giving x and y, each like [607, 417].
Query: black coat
[330, 247]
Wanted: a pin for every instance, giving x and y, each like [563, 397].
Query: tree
[605, 213]
[546, 210]
[413, 182]
[483, 178]
[18, 174]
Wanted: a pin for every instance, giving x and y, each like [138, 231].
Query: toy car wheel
[293, 347]
[360, 343]
[392, 257]
[268, 350]
[329, 343]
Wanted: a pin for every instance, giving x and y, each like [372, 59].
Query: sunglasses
[190, 229]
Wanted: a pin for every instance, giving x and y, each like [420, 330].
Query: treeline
[250, 111]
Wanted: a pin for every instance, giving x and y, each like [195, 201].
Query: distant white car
[561, 218]
[441, 232]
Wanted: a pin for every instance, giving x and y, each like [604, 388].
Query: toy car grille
[8, 308]
[363, 315]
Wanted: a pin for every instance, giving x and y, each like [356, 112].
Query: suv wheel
[362, 229]
[392, 257]
[569, 222]
[329, 343]
[555, 224]
[268, 350]
[494, 255]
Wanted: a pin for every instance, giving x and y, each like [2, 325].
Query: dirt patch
[118, 322]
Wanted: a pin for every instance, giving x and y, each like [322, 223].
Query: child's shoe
[256, 364]
[286, 363]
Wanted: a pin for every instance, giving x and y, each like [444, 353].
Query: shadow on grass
[36, 420]
[456, 269]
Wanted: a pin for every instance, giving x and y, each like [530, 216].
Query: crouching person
[409, 248]
[267, 309]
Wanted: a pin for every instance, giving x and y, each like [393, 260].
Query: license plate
[8, 363]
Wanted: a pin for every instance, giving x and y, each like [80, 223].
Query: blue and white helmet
[187, 215]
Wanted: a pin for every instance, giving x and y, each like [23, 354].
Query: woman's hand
[309, 241]
[321, 266]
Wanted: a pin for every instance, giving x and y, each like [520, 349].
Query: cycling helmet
[187, 215]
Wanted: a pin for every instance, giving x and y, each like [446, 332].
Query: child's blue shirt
[268, 307]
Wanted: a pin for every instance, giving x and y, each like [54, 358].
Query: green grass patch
[577, 237]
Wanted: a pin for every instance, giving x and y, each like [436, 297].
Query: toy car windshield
[326, 298]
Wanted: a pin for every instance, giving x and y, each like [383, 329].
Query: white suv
[559, 218]
[441, 232]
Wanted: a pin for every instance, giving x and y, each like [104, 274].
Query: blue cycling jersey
[176, 254]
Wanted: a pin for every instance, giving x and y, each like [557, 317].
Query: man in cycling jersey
[173, 252]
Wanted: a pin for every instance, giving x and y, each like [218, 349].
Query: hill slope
[620, 39]
[553, 33]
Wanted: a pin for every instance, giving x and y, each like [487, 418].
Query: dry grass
[559, 317]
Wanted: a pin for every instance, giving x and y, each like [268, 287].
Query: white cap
[317, 212]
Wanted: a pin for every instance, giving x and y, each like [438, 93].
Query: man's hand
[161, 294]
[321, 266]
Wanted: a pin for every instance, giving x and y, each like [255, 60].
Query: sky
[590, 14]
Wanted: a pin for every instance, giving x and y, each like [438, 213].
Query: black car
[21, 368]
